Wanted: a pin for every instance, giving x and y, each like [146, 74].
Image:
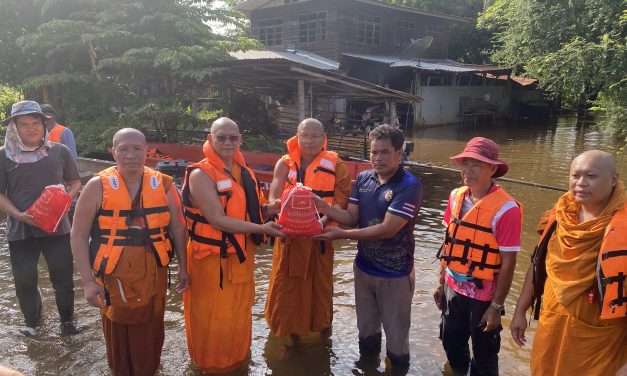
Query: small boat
[172, 159]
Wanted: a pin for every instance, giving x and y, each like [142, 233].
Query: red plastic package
[299, 216]
[50, 207]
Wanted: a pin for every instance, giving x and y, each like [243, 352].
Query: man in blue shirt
[383, 203]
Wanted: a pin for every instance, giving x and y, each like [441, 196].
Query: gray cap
[24, 108]
[48, 109]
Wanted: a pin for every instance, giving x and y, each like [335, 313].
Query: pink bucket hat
[484, 150]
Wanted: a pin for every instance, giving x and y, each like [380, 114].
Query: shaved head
[223, 123]
[592, 179]
[599, 158]
[128, 133]
[311, 124]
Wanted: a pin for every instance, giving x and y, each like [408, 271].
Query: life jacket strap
[324, 169]
[223, 244]
[473, 226]
[621, 298]
[133, 213]
[130, 237]
[195, 216]
[323, 194]
[609, 254]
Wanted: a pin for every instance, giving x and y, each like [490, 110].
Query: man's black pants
[461, 320]
[24, 259]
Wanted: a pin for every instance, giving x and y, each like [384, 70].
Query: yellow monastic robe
[571, 339]
[218, 322]
[300, 294]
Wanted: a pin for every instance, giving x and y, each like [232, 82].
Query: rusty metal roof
[271, 71]
[443, 65]
[297, 56]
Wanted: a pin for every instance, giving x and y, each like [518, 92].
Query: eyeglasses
[311, 137]
[223, 139]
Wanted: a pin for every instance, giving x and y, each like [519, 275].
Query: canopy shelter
[307, 74]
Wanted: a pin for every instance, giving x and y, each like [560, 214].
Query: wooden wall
[347, 21]
[289, 13]
[342, 31]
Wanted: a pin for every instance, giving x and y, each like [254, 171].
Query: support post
[301, 100]
[417, 105]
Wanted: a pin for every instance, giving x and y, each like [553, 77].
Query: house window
[270, 31]
[431, 29]
[312, 27]
[403, 33]
[368, 29]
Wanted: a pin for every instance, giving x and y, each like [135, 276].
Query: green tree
[111, 63]
[576, 48]
[467, 43]
[8, 96]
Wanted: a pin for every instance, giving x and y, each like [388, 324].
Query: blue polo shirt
[402, 196]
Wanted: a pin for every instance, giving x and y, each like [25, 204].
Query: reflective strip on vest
[319, 175]
[111, 231]
[470, 247]
[205, 240]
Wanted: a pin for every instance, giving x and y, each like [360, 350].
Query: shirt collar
[396, 178]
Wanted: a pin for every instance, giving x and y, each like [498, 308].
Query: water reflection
[540, 153]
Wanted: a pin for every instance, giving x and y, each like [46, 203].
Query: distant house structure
[374, 41]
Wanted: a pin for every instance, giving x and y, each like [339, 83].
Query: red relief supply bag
[48, 210]
[299, 216]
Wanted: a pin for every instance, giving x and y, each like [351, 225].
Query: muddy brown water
[536, 152]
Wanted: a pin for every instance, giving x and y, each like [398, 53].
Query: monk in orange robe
[583, 324]
[139, 209]
[223, 205]
[300, 294]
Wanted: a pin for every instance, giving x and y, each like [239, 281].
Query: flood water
[536, 152]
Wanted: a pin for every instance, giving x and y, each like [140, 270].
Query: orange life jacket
[55, 133]
[319, 175]
[111, 231]
[237, 201]
[470, 246]
[611, 270]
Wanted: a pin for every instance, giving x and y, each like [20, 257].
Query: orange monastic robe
[571, 339]
[218, 322]
[300, 294]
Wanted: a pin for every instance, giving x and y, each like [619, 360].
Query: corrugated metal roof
[296, 56]
[444, 65]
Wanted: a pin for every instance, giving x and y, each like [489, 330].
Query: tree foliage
[8, 96]
[467, 43]
[112, 63]
[576, 48]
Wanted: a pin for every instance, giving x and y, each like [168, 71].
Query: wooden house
[332, 27]
[371, 40]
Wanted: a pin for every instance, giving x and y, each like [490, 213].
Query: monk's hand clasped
[183, 283]
[491, 318]
[94, 294]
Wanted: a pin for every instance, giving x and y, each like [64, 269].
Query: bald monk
[133, 215]
[580, 274]
[301, 283]
[222, 206]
